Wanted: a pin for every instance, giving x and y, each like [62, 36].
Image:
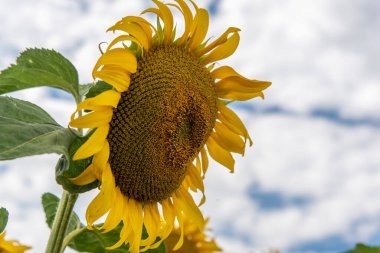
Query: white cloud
[319, 55]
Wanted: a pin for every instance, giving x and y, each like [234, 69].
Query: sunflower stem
[71, 236]
[61, 222]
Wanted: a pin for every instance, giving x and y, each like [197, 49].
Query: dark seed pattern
[161, 123]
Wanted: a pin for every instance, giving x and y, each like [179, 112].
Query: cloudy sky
[310, 183]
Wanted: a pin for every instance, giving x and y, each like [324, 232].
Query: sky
[310, 183]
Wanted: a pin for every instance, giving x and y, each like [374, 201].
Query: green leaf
[98, 88]
[26, 129]
[67, 168]
[40, 67]
[361, 248]
[50, 204]
[84, 88]
[93, 241]
[3, 219]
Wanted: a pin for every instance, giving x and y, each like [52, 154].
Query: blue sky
[310, 183]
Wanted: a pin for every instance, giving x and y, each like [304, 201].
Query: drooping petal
[86, 177]
[116, 212]
[102, 203]
[204, 161]
[185, 201]
[136, 220]
[228, 139]
[223, 50]
[232, 121]
[100, 159]
[126, 231]
[152, 224]
[94, 144]
[219, 154]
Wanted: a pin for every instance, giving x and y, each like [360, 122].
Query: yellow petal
[102, 101]
[100, 205]
[167, 18]
[121, 57]
[152, 224]
[119, 80]
[223, 50]
[194, 5]
[179, 215]
[188, 16]
[126, 231]
[144, 24]
[94, 144]
[136, 220]
[219, 154]
[233, 122]
[227, 139]
[93, 120]
[116, 213]
[134, 30]
[106, 98]
[204, 161]
[224, 72]
[199, 29]
[220, 40]
[197, 181]
[123, 38]
[241, 96]
[86, 177]
[100, 160]
[195, 177]
[190, 209]
[238, 84]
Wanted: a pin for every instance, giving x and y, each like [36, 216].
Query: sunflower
[153, 131]
[11, 246]
[195, 240]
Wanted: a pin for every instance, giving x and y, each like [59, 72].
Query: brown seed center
[161, 123]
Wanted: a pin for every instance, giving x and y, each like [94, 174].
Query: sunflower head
[155, 129]
[195, 240]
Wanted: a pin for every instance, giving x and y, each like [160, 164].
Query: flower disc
[161, 123]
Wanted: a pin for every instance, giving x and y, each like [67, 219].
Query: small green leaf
[98, 88]
[66, 169]
[3, 219]
[40, 67]
[93, 241]
[50, 204]
[26, 129]
[84, 88]
[361, 248]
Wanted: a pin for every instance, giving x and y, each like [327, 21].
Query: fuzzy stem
[71, 236]
[61, 222]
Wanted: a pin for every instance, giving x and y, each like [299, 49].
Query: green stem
[71, 236]
[61, 222]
